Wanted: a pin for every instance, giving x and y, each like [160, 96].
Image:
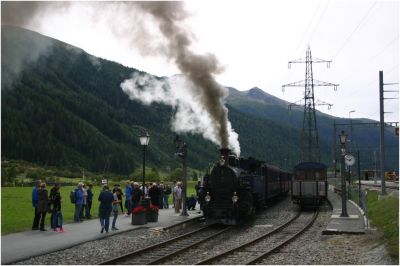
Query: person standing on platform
[84, 203]
[53, 193]
[167, 192]
[161, 195]
[173, 193]
[106, 199]
[35, 198]
[78, 202]
[136, 195]
[128, 198]
[115, 205]
[178, 197]
[43, 204]
[57, 215]
[154, 194]
[89, 201]
[117, 187]
[197, 188]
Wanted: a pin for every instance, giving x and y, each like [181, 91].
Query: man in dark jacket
[136, 195]
[89, 201]
[53, 193]
[35, 197]
[197, 187]
[154, 194]
[43, 204]
[106, 198]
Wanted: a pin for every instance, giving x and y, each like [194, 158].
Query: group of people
[83, 197]
[44, 203]
[110, 202]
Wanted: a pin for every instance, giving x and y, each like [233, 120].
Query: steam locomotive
[236, 187]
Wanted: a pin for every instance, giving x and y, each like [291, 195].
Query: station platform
[23, 245]
[354, 224]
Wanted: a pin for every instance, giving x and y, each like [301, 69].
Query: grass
[17, 212]
[384, 214]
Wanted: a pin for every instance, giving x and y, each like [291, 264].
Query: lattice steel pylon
[309, 136]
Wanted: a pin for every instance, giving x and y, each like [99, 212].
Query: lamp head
[342, 138]
[144, 138]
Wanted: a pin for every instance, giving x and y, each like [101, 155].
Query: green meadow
[17, 212]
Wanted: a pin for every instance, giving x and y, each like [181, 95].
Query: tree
[151, 175]
[175, 175]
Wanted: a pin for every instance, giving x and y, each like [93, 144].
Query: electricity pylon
[309, 136]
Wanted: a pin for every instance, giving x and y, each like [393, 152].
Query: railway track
[259, 248]
[156, 253]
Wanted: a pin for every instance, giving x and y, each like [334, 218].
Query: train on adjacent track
[309, 186]
[236, 187]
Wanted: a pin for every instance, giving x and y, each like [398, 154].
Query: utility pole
[382, 126]
[309, 135]
[382, 129]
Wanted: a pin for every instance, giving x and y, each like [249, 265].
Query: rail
[255, 241]
[161, 251]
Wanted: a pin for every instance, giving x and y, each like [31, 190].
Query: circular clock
[349, 160]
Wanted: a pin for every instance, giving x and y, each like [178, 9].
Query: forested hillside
[256, 102]
[63, 107]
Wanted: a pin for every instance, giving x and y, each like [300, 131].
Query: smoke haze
[179, 92]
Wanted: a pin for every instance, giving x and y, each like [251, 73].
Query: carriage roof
[310, 166]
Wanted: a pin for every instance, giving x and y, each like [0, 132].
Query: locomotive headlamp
[222, 160]
[207, 197]
[234, 197]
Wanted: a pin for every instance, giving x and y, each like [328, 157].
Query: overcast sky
[254, 40]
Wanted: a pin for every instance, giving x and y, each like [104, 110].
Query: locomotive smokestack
[225, 154]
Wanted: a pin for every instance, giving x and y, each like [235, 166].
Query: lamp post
[144, 141]
[181, 152]
[342, 138]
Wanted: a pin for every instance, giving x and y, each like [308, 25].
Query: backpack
[72, 196]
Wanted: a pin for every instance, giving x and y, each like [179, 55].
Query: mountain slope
[64, 107]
